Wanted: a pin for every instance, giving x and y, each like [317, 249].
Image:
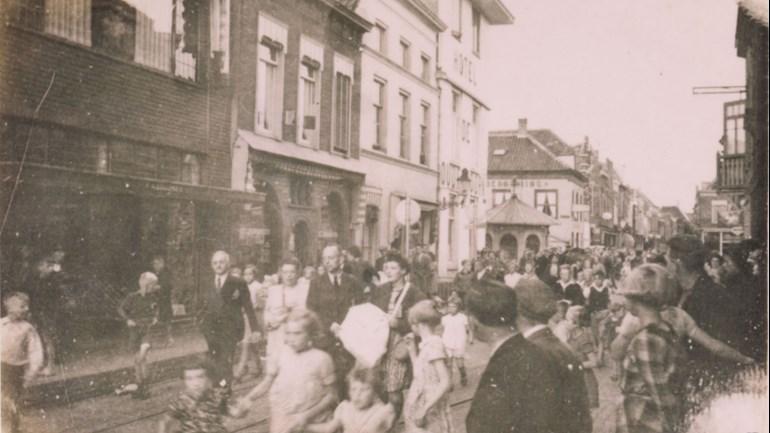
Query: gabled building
[521, 166]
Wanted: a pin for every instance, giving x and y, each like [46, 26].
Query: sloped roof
[516, 212]
[674, 211]
[514, 153]
[553, 142]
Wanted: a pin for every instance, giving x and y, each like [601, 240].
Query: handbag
[400, 350]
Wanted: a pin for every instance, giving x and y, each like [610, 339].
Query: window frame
[476, 31]
[425, 132]
[554, 205]
[343, 67]
[380, 115]
[272, 38]
[309, 62]
[426, 72]
[406, 54]
[383, 37]
[404, 123]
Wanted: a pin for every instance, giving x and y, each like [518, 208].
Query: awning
[297, 152]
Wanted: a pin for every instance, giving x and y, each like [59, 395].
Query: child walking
[250, 346]
[365, 411]
[200, 407]
[457, 333]
[21, 354]
[140, 312]
[426, 408]
[580, 339]
[299, 378]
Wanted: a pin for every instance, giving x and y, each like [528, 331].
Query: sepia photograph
[384, 216]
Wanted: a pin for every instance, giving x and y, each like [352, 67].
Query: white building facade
[462, 156]
[520, 165]
[399, 123]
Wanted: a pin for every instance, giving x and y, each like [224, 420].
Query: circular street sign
[407, 208]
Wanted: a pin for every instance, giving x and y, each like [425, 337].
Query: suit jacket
[332, 303]
[222, 312]
[515, 393]
[381, 298]
[574, 412]
[574, 294]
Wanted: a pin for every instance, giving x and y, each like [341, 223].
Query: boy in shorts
[140, 312]
[21, 354]
[457, 333]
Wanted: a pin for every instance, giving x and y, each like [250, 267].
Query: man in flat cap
[536, 304]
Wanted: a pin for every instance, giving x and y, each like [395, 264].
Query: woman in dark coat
[396, 297]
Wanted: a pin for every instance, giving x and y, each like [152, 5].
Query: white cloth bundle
[364, 333]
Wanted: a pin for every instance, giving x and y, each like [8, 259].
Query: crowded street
[127, 416]
[380, 216]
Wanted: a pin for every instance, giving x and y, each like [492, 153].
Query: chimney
[522, 132]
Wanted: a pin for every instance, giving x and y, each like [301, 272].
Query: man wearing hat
[536, 305]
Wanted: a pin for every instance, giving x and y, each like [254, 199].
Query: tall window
[403, 125]
[456, 102]
[380, 38]
[380, 124]
[405, 54]
[546, 201]
[425, 67]
[309, 92]
[476, 20]
[220, 35]
[270, 61]
[424, 134]
[162, 34]
[343, 85]
[458, 31]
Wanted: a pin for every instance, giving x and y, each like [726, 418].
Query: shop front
[110, 227]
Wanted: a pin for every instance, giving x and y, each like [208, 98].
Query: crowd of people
[675, 326]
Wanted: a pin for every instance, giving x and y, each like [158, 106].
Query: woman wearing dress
[396, 297]
[288, 295]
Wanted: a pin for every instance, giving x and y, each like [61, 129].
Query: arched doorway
[533, 243]
[334, 218]
[300, 235]
[274, 223]
[509, 243]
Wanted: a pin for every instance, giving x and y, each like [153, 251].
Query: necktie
[219, 282]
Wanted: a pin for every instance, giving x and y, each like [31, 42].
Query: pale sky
[621, 72]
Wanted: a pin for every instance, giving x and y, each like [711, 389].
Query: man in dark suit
[330, 296]
[221, 317]
[516, 393]
[536, 304]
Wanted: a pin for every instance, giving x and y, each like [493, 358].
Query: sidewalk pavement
[103, 371]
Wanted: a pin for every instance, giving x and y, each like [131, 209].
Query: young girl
[364, 412]
[457, 332]
[249, 345]
[427, 405]
[580, 339]
[299, 377]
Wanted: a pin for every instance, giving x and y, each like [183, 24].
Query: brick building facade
[298, 92]
[116, 145]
